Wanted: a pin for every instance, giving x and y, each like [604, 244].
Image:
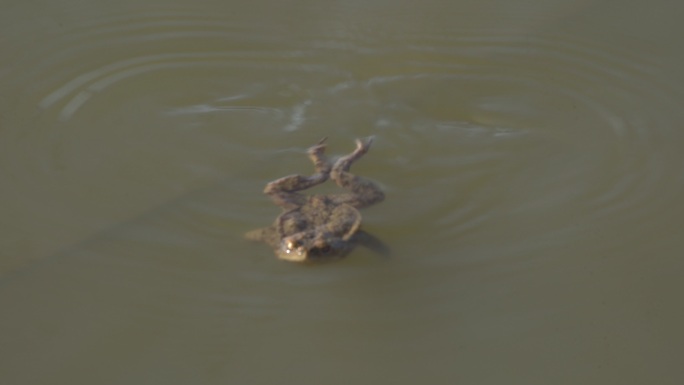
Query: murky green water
[531, 153]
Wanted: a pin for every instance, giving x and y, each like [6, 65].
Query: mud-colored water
[531, 154]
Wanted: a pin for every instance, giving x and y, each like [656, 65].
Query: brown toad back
[319, 226]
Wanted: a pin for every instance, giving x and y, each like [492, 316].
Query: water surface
[530, 153]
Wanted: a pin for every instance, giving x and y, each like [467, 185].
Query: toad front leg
[363, 192]
[283, 191]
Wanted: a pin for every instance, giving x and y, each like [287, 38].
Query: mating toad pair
[320, 227]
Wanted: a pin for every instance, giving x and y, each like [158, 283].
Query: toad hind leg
[283, 191]
[362, 192]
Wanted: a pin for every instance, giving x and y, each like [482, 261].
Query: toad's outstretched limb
[362, 192]
[283, 191]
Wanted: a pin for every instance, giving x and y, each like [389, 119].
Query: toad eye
[293, 244]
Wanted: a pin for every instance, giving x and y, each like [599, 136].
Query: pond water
[530, 151]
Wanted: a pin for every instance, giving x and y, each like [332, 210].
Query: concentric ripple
[602, 134]
[524, 137]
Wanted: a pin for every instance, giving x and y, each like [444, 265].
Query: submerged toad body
[320, 226]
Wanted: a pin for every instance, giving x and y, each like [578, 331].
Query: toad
[321, 227]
